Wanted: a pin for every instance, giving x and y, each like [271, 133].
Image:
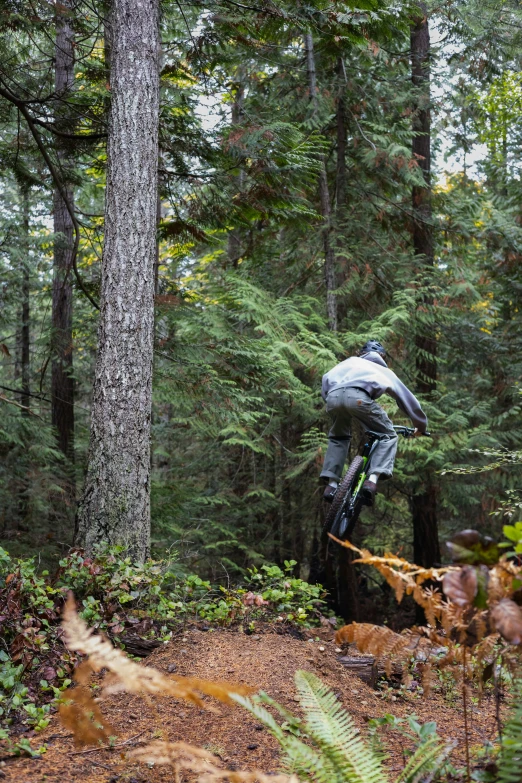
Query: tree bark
[340, 179]
[234, 236]
[426, 550]
[324, 196]
[115, 506]
[62, 380]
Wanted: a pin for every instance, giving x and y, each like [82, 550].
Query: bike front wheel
[340, 520]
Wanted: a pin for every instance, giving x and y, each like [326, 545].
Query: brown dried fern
[406, 578]
[184, 757]
[82, 716]
[133, 677]
[374, 639]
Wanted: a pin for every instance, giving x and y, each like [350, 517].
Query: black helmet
[372, 346]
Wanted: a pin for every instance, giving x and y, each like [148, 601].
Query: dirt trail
[267, 661]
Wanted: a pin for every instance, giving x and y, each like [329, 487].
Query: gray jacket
[371, 373]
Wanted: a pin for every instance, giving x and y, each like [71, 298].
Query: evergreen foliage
[242, 335]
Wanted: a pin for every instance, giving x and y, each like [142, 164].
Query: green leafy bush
[126, 600]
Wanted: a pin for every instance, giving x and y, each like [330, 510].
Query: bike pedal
[367, 499]
[329, 493]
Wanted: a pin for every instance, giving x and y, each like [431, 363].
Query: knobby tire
[343, 493]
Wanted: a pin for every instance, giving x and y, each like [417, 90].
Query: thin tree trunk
[62, 381]
[324, 196]
[340, 179]
[22, 373]
[234, 236]
[115, 506]
[25, 365]
[426, 550]
[340, 184]
[347, 588]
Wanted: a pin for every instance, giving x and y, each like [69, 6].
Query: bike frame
[350, 508]
[369, 446]
[372, 438]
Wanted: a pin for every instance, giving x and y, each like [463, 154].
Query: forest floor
[266, 661]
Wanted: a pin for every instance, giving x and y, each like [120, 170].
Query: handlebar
[409, 431]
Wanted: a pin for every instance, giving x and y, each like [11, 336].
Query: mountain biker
[350, 390]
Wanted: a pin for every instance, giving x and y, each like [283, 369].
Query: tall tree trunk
[25, 365]
[340, 179]
[234, 237]
[115, 506]
[426, 550]
[341, 183]
[22, 373]
[62, 381]
[324, 196]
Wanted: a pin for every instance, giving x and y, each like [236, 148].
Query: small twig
[99, 764]
[18, 405]
[498, 684]
[365, 137]
[465, 701]
[29, 394]
[106, 747]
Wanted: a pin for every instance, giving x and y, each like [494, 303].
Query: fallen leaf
[461, 586]
[507, 619]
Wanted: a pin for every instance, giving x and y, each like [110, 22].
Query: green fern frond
[333, 729]
[427, 758]
[510, 763]
[298, 758]
[333, 750]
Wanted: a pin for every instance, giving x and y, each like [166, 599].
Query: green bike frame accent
[362, 478]
[342, 522]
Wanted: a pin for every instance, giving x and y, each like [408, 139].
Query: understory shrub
[128, 602]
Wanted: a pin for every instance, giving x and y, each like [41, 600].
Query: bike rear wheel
[341, 518]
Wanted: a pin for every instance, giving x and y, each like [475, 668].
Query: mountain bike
[348, 500]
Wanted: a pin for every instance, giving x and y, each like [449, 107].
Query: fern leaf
[334, 731]
[428, 758]
[298, 758]
[510, 764]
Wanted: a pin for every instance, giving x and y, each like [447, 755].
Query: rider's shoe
[329, 493]
[369, 489]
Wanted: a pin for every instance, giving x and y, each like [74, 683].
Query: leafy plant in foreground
[510, 759]
[471, 607]
[474, 623]
[324, 746]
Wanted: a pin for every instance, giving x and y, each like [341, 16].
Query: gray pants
[346, 404]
